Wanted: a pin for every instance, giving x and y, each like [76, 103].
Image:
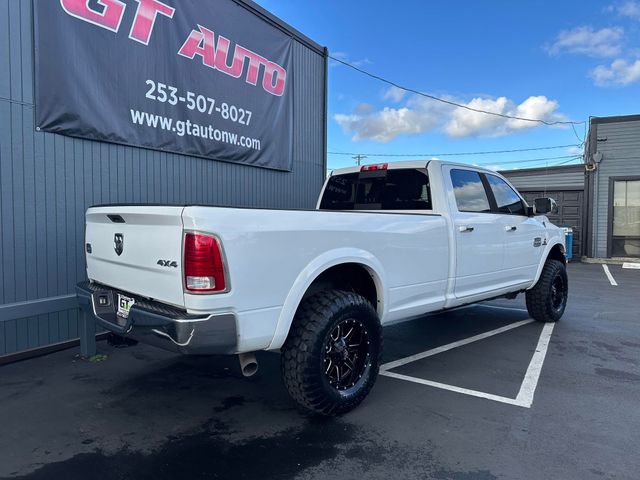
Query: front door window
[507, 200]
[625, 240]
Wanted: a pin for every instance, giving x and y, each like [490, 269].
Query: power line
[449, 102]
[571, 158]
[545, 165]
[453, 154]
[568, 161]
[531, 160]
[581, 140]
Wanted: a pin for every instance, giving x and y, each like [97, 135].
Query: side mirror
[543, 206]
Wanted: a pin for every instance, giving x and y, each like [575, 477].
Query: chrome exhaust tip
[248, 364]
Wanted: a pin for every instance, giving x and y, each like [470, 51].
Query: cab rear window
[406, 189]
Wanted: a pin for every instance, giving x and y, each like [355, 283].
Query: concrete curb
[610, 261]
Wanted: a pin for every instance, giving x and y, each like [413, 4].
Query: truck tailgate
[137, 249]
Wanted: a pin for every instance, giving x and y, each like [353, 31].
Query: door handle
[465, 228]
[513, 228]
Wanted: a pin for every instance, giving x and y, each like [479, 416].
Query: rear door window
[469, 191]
[406, 189]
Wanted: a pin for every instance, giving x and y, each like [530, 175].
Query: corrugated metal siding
[552, 179]
[621, 157]
[47, 181]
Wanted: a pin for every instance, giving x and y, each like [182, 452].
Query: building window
[625, 241]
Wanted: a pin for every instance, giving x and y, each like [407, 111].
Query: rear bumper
[161, 325]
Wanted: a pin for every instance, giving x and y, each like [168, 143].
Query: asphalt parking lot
[478, 393]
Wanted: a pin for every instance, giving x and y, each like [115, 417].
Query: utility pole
[359, 158]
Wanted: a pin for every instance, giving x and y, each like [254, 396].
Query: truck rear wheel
[547, 300]
[331, 358]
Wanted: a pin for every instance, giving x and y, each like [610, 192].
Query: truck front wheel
[331, 358]
[547, 300]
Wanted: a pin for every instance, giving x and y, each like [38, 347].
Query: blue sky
[555, 60]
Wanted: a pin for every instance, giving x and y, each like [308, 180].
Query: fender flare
[312, 271]
[544, 257]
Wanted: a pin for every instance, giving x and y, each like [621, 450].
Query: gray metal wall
[553, 178]
[47, 181]
[619, 143]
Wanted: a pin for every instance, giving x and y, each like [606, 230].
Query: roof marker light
[374, 168]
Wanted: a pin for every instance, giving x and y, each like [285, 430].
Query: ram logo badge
[168, 263]
[118, 243]
[537, 242]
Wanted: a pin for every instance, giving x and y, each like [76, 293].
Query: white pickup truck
[386, 243]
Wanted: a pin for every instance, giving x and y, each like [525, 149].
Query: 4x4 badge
[167, 263]
[118, 242]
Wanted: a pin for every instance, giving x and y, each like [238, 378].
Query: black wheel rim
[558, 292]
[347, 354]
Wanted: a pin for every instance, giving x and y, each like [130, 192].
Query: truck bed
[266, 253]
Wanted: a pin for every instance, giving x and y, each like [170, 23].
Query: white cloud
[394, 94]
[421, 115]
[495, 168]
[575, 150]
[385, 125]
[606, 42]
[534, 107]
[345, 58]
[415, 117]
[624, 69]
[629, 9]
[364, 108]
[619, 73]
[466, 123]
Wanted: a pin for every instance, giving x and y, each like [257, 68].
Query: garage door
[570, 205]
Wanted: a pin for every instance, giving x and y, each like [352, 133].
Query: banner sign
[204, 78]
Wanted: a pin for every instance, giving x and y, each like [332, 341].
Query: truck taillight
[373, 168]
[203, 264]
